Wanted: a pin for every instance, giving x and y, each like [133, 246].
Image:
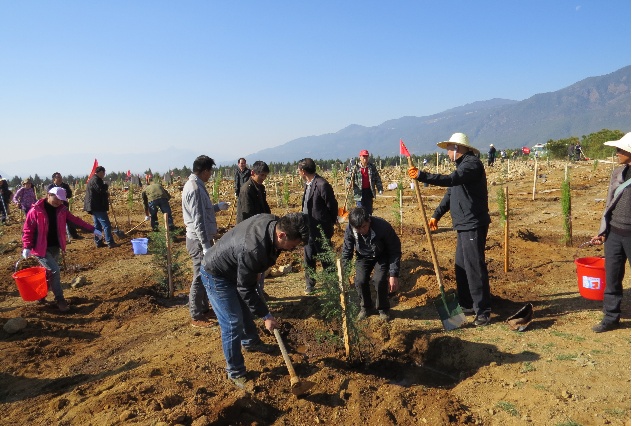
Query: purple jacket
[35, 228]
[25, 197]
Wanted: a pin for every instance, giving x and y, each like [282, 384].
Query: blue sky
[228, 78]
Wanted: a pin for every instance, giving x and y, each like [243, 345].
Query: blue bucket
[139, 245]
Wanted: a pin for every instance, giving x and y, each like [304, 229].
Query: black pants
[617, 250]
[312, 249]
[363, 268]
[366, 201]
[472, 280]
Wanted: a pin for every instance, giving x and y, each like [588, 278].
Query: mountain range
[585, 107]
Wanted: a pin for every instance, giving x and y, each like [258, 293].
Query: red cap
[364, 152]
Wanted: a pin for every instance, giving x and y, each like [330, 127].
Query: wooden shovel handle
[433, 253]
[286, 357]
[166, 215]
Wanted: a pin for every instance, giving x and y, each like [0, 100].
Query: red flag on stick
[402, 149]
[94, 168]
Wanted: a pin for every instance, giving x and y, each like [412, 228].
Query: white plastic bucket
[139, 245]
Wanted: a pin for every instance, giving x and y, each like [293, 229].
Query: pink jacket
[35, 228]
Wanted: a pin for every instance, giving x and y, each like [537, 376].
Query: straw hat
[27, 180]
[625, 143]
[458, 139]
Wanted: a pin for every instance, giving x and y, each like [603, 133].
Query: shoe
[361, 315]
[241, 382]
[605, 326]
[209, 315]
[309, 291]
[202, 323]
[63, 306]
[42, 301]
[76, 237]
[100, 244]
[481, 320]
[384, 316]
[259, 347]
[113, 245]
[468, 311]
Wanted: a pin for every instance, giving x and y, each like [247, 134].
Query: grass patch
[527, 366]
[566, 357]
[569, 423]
[617, 412]
[568, 336]
[508, 407]
[541, 387]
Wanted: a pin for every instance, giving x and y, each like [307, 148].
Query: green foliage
[397, 220]
[595, 165]
[328, 292]
[500, 200]
[217, 180]
[508, 407]
[158, 249]
[592, 145]
[286, 193]
[565, 199]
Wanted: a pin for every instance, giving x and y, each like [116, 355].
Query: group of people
[228, 271]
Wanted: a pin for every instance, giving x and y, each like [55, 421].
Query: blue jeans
[234, 318]
[51, 262]
[102, 223]
[163, 205]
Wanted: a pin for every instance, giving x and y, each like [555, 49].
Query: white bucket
[139, 245]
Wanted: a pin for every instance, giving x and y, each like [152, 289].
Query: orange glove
[433, 224]
[413, 172]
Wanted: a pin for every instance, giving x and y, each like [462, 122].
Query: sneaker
[384, 316]
[241, 382]
[361, 315]
[42, 301]
[63, 306]
[202, 323]
[113, 245]
[100, 244]
[209, 315]
[481, 320]
[309, 290]
[605, 326]
[468, 311]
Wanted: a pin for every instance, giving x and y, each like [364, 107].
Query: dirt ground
[126, 355]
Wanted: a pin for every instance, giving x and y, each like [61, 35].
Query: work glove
[146, 217]
[222, 205]
[413, 172]
[433, 224]
[98, 233]
[379, 192]
[26, 253]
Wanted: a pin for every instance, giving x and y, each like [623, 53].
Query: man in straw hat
[44, 236]
[614, 233]
[466, 199]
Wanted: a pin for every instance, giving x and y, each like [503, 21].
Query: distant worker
[252, 196]
[229, 273]
[97, 203]
[365, 178]
[491, 155]
[466, 199]
[578, 152]
[5, 198]
[242, 175]
[614, 233]
[25, 197]
[44, 236]
[379, 250]
[571, 152]
[321, 207]
[156, 197]
[198, 214]
[59, 183]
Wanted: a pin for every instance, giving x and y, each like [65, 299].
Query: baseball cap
[59, 192]
[364, 152]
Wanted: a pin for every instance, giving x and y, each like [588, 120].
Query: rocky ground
[125, 354]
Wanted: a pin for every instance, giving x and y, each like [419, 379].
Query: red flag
[402, 149]
[94, 168]
[129, 173]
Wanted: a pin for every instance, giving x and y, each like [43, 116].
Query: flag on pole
[94, 168]
[402, 149]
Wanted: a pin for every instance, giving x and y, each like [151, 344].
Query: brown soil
[125, 354]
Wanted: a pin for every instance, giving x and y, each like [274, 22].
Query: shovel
[117, 231]
[342, 211]
[450, 312]
[298, 387]
[128, 232]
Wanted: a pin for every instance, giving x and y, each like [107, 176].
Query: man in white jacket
[198, 213]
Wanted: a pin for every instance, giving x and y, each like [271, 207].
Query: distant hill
[585, 107]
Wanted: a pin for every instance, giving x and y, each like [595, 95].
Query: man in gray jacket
[466, 199]
[198, 213]
[229, 274]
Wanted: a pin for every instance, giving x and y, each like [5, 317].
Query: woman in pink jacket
[25, 196]
[44, 236]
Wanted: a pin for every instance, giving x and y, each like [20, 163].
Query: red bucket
[31, 283]
[591, 277]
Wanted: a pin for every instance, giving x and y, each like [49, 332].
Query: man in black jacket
[229, 274]
[378, 247]
[97, 203]
[242, 175]
[252, 196]
[466, 199]
[321, 207]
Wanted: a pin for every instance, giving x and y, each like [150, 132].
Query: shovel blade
[301, 387]
[450, 312]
